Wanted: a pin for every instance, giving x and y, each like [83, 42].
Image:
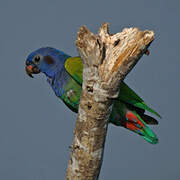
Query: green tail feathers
[133, 119]
[148, 134]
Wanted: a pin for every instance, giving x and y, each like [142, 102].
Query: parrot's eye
[37, 59]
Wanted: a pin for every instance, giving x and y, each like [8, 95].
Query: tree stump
[107, 59]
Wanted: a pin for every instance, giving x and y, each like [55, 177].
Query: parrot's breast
[66, 88]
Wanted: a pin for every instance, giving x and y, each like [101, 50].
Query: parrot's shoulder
[74, 67]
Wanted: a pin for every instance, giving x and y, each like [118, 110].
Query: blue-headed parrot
[64, 74]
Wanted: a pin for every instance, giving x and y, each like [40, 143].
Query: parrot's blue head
[47, 60]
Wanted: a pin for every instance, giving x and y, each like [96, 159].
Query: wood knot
[89, 106]
[116, 42]
[147, 52]
[90, 89]
[76, 147]
[98, 43]
[103, 53]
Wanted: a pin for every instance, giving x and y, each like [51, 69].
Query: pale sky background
[36, 128]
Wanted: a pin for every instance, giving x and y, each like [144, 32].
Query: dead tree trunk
[107, 59]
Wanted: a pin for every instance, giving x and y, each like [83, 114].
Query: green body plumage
[127, 100]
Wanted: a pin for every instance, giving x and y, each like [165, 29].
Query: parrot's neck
[57, 79]
[54, 70]
[54, 75]
[57, 74]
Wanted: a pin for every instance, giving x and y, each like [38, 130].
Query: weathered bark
[107, 59]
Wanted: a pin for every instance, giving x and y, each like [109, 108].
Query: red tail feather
[134, 119]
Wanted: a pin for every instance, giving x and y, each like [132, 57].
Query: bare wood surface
[107, 59]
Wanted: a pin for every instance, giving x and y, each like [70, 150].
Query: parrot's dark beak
[30, 69]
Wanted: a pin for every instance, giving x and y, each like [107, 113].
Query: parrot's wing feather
[74, 67]
[127, 95]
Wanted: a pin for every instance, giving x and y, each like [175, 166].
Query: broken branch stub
[113, 54]
[107, 59]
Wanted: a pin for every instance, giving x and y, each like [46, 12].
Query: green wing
[74, 67]
[129, 96]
